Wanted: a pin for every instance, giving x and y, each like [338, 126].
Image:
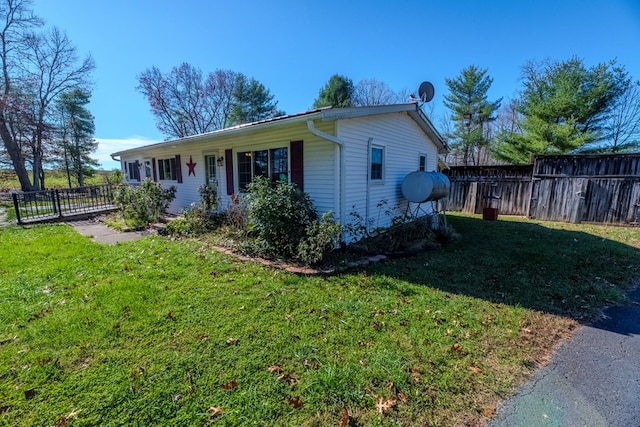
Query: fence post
[16, 206]
[56, 203]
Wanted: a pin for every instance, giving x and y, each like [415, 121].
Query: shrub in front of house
[143, 205]
[195, 221]
[284, 224]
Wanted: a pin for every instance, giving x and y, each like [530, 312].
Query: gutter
[317, 132]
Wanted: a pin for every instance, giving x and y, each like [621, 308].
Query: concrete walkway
[102, 234]
[593, 379]
[3, 218]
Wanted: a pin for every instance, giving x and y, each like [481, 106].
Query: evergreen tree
[252, 102]
[565, 108]
[338, 92]
[76, 130]
[471, 111]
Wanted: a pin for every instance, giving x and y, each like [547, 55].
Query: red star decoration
[192, 166]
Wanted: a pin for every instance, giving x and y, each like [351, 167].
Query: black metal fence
[48, 205]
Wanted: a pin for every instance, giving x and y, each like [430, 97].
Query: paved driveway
[593, 379]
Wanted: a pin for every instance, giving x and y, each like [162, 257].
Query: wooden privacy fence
[49, 205]
[599, 189]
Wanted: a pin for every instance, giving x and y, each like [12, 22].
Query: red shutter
[155, 170]
[178, 169]
[297, 164]
[228, 163]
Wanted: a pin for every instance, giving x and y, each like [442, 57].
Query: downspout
[317, 132]
[368, 192]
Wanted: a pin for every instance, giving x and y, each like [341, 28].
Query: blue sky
[293, 47]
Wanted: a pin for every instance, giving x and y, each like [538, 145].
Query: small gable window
[423, 163]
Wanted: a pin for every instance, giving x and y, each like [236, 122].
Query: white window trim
[380, 180]
[426, 160]
[128, 166]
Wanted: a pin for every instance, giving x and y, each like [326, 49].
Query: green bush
[208, 197]
[195, 221]
[143, 205]
[321, 237]
[284, 224]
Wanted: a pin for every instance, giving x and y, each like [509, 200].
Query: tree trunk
[16, 155]
[36, 169]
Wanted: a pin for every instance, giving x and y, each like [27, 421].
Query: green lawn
[164, 332]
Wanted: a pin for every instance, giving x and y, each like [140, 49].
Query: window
[272, 164]
[211, 172]
[167, 169]
[377, 157]
[132, 170]
[423, 163]
[279, 164]
[147, 169]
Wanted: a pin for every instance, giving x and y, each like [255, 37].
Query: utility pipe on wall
[368, 190]
[317, 132]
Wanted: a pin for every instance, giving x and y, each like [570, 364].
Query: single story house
[349, 160]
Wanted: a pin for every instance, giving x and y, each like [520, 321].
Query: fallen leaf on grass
[457, 347]
[314, 365]
[203, 337]
[383, 406]
[489, 412]
[274, 368]
[230, 385]
[215, 411]
[402, 397]
[344, 422]
[62, 422]
[176, 397]
[232, 341]
[289, 378]
[475, 370]
[296, 402]
[170, 316]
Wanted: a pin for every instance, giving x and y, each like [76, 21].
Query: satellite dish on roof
[426, 91]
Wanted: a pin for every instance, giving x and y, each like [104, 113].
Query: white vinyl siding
[402, 140]
[403, 143]
[320, 165]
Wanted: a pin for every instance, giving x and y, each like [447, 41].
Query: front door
[211, 175]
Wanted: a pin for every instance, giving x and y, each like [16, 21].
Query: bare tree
[17, 21]
[36, 68]
[374, 92]
[186, 103]
[624, 122]
[50, 70]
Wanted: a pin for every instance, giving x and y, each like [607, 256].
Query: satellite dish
[426, 91]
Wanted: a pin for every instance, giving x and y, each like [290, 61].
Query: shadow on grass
[556, 268]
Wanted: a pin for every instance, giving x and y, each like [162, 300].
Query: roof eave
[244, 128]
[423, 121]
